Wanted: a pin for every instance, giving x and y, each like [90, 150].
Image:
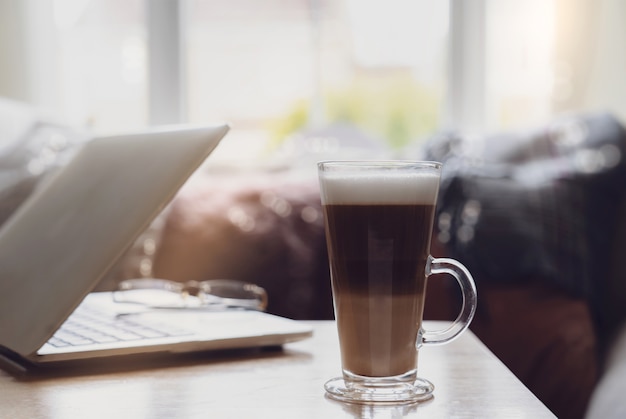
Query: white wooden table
[469, 380]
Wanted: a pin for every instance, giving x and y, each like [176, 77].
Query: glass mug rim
[374, 164]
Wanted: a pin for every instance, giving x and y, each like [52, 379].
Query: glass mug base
[403, 389]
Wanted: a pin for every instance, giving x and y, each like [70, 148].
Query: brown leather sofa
[546, 251]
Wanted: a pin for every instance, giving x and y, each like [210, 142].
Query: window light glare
[67, 13]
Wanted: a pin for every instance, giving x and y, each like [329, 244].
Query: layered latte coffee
[378, 231]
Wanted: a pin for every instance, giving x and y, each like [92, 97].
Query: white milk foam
[377, 188]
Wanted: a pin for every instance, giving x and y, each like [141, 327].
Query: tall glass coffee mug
[379, 219]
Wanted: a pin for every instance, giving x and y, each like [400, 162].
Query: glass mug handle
[468, 306]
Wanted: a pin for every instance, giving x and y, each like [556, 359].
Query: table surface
[279, 383]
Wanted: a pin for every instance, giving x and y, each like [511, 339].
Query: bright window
[100, 63]
[275, 67]
[394, 70]
[519, 60]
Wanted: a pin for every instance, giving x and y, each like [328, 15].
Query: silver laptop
[57, 246]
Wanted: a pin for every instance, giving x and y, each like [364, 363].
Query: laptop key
[57, 343]
[72, 338]
[119, 333]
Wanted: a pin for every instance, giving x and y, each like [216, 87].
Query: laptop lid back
[69, 232]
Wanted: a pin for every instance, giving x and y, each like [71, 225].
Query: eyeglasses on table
[217, 294]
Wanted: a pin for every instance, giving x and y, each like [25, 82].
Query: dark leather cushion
[258, 228]
[546, 338]
[541, 204]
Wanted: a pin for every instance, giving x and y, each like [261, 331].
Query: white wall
[28, 53]
[607, 82]
[13, 44]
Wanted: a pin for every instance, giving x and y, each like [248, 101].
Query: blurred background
[460, 81]
[391, 72]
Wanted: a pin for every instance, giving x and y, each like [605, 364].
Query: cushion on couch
[260, 228]
[546, 338]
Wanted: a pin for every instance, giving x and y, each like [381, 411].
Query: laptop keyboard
[87, 326]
